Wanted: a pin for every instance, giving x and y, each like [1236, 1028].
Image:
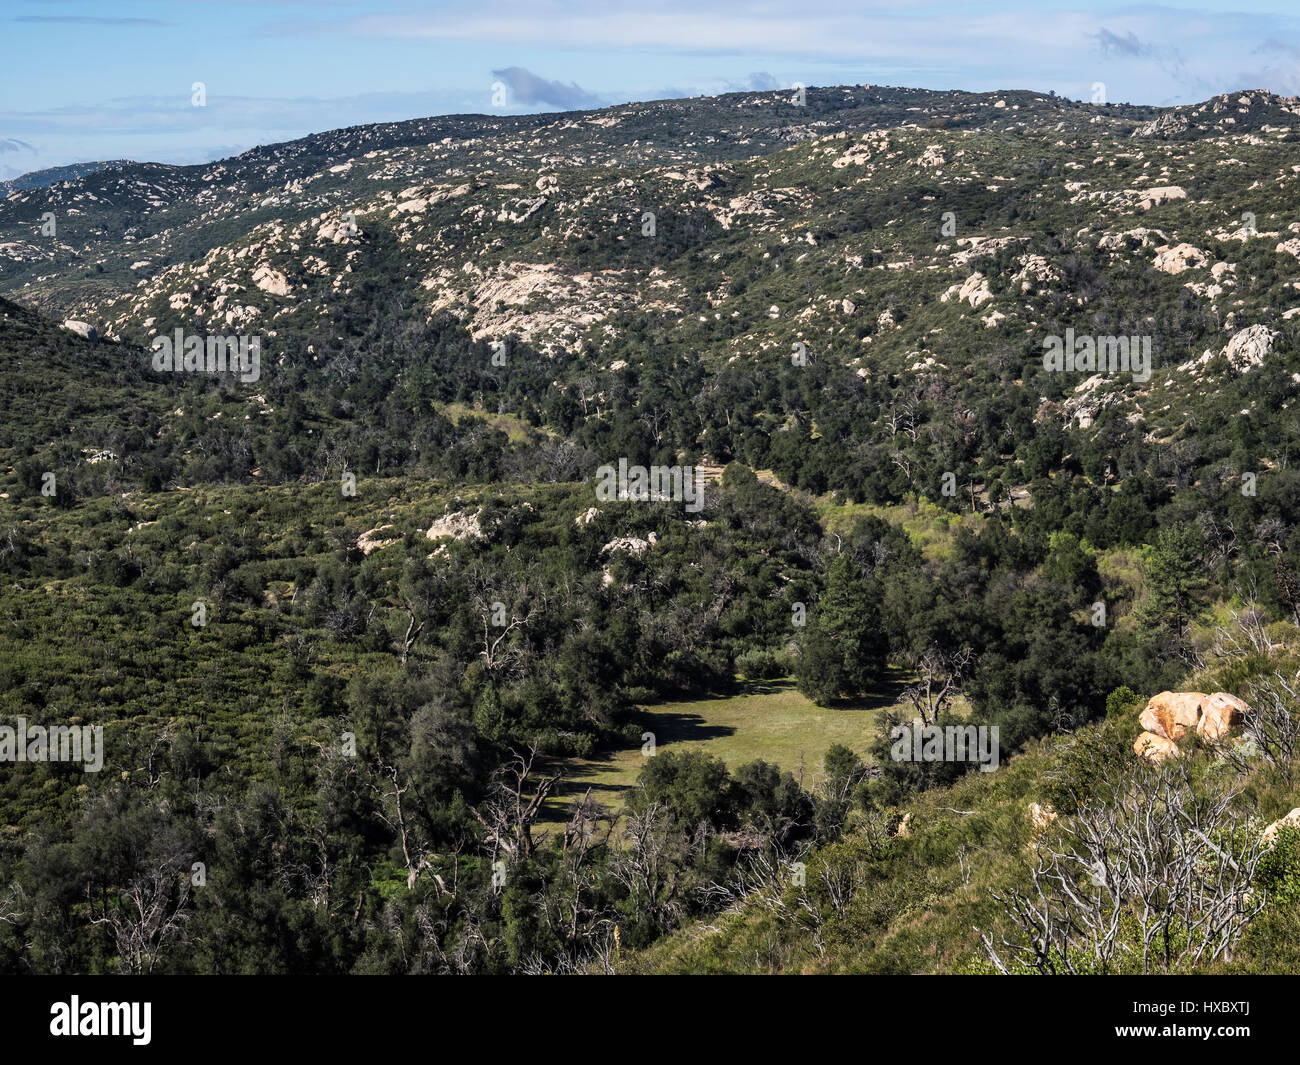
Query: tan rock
[371, 541]
[1291, 820]
[271, 281]
[83, 329]
[975, 291]
[1250, 347]
[1220, 712]
[1149, 198]
[1180, 257]
[1171, 714]
[1154, 748]
[460, 525]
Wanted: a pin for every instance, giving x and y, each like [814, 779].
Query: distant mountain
[40, 179]
[916, 249]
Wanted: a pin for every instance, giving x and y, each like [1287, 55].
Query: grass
[769, 719]
[931, 528]
[518, 430]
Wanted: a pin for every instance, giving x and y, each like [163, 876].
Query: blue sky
[82, 79]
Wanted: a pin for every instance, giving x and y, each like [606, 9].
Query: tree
[1173, 573]
[1071, 563]
[1150, 877]
[845, 649]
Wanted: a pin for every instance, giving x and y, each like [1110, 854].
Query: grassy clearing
[770, 720]
[932, 529]
[518, 430]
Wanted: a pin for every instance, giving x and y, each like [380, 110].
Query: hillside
[389, 683]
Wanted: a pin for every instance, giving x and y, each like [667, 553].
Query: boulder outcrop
[1169, 716]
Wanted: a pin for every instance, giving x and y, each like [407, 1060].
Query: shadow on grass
[889, 690]
[682, 727]
[762, 687]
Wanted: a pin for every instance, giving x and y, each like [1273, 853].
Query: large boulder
[1172, 714]
[1250, 347]
[460, 525]
[1220, 712]
[1154, 748]
[372, 540]
[1169, 716]
[1179, 257]
[82, 329]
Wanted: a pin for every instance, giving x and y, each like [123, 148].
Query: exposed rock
[759, 204]
[460, 525]
[975, 247]
[859, 153]
[539, 302]
[529, 208]
[1250, 347]
[974, 290]
[1149, 198]
[369, 541]
[1172, 714]
[1167, 125]
[632, 544]
[1169, 716]
[933, 156]
[83, 329]
[1034, 268]
[271, 281]
[1220, 712]
[338, 231]
[1119, 241]
[1154, 748]
[1291, 820]
[1180, 257]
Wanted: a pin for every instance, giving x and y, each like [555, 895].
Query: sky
[118, 79]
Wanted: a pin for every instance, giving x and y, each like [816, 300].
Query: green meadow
[768, 720]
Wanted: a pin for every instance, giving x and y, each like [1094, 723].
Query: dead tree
[415, 854]
[1153, 878]
[647, 866]
[1273, 722]
[510, 811]
[148, 912]
[939, 679]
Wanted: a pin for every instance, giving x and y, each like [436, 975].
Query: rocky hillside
[925, 240]
[988, 406]
[40, 179]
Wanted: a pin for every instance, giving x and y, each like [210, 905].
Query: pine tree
[845, 649]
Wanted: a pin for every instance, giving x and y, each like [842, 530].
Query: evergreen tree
[845, 648]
